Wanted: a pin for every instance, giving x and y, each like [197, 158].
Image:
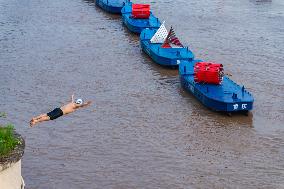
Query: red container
[207, 72]
[141, 11]
[139, 6]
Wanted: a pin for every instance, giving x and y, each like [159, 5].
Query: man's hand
[83, 105]
[72, 98]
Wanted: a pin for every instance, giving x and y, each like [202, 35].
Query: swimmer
[57, 112]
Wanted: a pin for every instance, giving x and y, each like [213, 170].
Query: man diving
[57, 112]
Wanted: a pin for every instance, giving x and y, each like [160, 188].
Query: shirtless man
[57, 112]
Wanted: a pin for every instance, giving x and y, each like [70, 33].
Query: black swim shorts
[56, 113]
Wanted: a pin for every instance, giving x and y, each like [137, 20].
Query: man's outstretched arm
[83, 105]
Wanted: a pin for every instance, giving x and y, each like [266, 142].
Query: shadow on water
[163, 71]
[90, 2]
[133, 38]
[100, 10]
[259, 2]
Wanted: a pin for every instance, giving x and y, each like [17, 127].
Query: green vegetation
[7, 139]
[3, 114]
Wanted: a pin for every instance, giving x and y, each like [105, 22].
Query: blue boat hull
[111, 6]
[216, 97]
[164, 56]
[137, 25]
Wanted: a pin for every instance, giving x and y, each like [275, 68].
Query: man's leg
[38, 117]
[41, 118]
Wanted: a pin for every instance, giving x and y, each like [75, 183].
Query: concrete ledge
[10, 167]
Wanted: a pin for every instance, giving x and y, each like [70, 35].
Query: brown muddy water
[143, 130]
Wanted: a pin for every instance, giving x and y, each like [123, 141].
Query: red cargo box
[208, 64]
[141, 11]
[139, 6]
[206, 72]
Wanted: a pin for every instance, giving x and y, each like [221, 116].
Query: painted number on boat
[236, 106]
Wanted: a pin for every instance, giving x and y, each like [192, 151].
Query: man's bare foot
[32, 123]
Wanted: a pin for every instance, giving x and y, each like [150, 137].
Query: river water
[143, 130]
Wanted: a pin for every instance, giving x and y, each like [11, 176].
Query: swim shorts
[56, 113]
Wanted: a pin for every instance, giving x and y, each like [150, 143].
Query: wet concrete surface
[143, 130]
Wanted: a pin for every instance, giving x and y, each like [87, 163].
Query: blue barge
[164, 56]
[137, 25]
[111, 6]
[226, 97]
